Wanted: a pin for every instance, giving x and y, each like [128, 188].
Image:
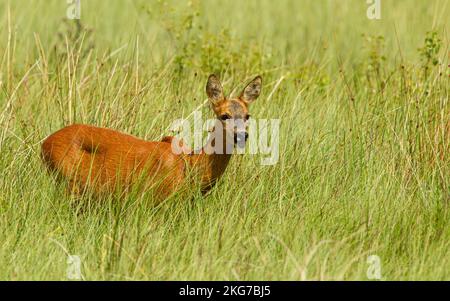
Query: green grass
[363, 169]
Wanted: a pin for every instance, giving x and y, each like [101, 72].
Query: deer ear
[214, 89]
[252, 90]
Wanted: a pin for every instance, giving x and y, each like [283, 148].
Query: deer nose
[240, 138]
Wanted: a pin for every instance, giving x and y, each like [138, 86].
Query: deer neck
[212, 159]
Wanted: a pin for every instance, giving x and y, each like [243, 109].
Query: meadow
[361, 190]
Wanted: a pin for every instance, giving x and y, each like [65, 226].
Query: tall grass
[364, 142]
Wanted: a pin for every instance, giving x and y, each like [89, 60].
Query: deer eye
[225, 117]
[247, 117]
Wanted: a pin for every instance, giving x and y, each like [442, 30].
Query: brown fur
[103, 159]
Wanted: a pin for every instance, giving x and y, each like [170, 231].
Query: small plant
[75, 37]
[429, 52]
[375, 58]
[199, 48]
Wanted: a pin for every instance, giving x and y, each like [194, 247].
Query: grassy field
[364, 138]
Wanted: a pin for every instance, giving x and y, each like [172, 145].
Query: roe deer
[103, 160]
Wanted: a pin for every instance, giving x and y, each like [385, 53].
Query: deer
[101, 159]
